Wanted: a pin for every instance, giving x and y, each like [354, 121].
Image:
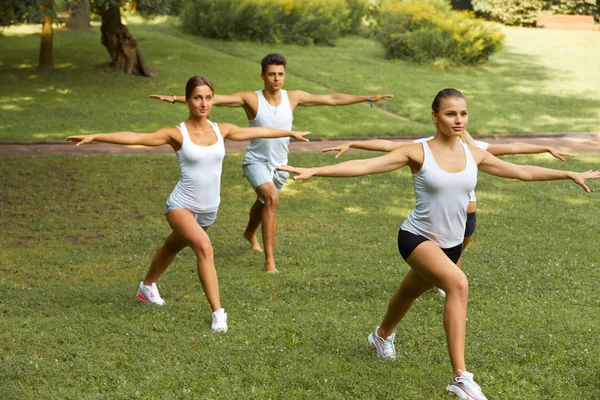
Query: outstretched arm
[233, 132]
[494, 166]
[169, 98]
[305, 99]
[377, 165]
[372, 145]
[228, 100]
[525, 148]
[158, 138]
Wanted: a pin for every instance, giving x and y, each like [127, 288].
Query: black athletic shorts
[408, 242]
[471, 224]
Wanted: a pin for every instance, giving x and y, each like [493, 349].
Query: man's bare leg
[253, 223]
[269, 223]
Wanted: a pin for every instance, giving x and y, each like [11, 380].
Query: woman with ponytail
[193, 204]
[430, 240]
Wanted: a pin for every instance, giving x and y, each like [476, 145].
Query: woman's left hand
[301, 173]
[581, 177]
[300, 135]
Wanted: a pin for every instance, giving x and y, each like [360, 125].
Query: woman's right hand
[168, 99]
[301, 173]
[81, 139]
[341, 149]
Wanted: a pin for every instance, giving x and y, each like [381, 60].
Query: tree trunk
[79, 15]
[121, 46]
[46, 60]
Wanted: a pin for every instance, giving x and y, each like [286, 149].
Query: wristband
[174, 99]
[370, 102]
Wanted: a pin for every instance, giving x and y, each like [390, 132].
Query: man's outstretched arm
[305, 99]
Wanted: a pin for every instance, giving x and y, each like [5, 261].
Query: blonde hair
[467, 138]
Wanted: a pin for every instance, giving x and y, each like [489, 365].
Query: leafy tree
[120, 43]
[79, 15]
[40, 11]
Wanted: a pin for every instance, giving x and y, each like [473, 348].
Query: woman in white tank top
[495, 149]
[193, 204]
[444, 171]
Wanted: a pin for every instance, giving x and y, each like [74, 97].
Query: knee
[459, 286]
[271, 199]
[202, 248]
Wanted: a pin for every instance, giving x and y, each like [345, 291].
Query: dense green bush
[524, 12]
[431, 32]
[273, 21]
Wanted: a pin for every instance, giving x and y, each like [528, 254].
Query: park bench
[576, 22]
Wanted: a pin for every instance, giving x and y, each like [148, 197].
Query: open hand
[581, 177]
[300, 135]
[341, 149]
[168, 99]
[81, 139]
[559, 154]
[377, 97]
[301, 173]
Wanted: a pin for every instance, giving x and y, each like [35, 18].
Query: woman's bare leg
[431, 267]
[164, 257]
[185, 226]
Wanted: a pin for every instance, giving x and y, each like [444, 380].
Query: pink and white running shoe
[149, 294]
[219, 321]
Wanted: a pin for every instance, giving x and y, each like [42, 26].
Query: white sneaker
[464, 387]
[219, 321]
[385, 347]
[441, 292]
[149, 294]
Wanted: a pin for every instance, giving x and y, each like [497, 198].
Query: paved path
[572, 142]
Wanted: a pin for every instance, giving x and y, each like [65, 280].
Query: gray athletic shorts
[204, 219]
[258, 174]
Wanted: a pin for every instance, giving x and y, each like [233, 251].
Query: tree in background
[120, 43]
[46, 63]
[13, 12]
[79, 15]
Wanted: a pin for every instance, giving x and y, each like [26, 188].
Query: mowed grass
[539, 83]
[78, 234]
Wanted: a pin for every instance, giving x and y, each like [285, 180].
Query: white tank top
[199, 187]
[442, 198]
[271, 152]
[478, 143]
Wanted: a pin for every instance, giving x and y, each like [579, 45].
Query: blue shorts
[259, 174]
[204, 219]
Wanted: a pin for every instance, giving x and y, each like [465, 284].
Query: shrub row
[421, 31]
[524, 12]
[273, 21]
[429, 31]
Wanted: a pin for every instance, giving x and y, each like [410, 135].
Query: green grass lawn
[541, 82]
[78, 234]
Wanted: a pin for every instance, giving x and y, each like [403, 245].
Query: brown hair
[273, 59]
[196, 81]
[443, 94]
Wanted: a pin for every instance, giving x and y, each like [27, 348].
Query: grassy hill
[539, 83]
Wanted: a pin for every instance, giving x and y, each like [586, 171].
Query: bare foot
[270, 267]
[251, 237]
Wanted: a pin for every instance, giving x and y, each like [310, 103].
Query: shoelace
[467, 381]
[388, 346]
